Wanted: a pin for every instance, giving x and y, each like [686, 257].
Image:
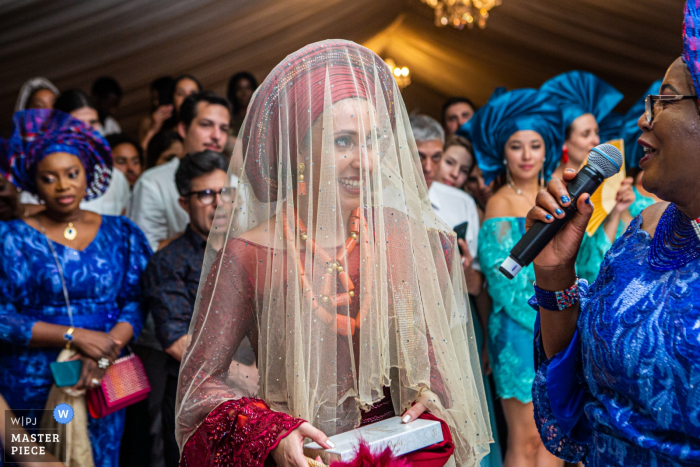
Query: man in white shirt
[204, 121]
[452, 205]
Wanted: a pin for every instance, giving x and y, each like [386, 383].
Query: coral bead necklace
[336, 270]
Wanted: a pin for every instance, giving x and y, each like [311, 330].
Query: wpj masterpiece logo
[36, 435]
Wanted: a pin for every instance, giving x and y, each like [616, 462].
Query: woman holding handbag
[68, 278]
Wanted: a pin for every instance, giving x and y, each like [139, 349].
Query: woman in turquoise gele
[587, 103]
[517, 140]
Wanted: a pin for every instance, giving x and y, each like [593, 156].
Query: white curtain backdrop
[627, 42]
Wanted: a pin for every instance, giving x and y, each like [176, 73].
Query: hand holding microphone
[562, 250]
[557, 223]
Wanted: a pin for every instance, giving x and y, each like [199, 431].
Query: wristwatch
[68, 336]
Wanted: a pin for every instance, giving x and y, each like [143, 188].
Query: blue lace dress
[594, 248]
[511, 323]
[627, 389]
[103, 285]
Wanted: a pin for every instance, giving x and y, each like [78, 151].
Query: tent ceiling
[71, 42]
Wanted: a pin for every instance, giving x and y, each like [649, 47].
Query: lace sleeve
[15, 328]
[559, 396]
[237, 433]
[552, 434]
[137, 254]
[228, 291]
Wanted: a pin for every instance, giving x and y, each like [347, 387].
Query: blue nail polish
[548, 217]
[559, 212]
[565, 199]
[588, 200]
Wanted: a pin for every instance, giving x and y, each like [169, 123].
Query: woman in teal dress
[516, 138]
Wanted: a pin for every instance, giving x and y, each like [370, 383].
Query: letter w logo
[63, 413]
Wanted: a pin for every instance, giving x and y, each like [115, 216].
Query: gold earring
[301, 185]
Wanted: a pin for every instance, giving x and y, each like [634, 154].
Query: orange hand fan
[605, 197]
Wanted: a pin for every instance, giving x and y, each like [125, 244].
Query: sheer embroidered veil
[328, 156]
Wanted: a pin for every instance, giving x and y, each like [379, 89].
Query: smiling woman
[617, 363]
[65, 255]
[344, 280]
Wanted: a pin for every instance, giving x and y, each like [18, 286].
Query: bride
[336, 269]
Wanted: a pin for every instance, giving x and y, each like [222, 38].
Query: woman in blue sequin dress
[516, 137]
[619, 371]
[102, 257]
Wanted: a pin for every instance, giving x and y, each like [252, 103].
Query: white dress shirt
[154, 204]
[455, 207]
[115, 200]
[110, 127]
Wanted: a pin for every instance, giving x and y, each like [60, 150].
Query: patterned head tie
[691, 41]
[36, 133]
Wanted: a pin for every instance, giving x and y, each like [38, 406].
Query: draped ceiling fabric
[629, 43]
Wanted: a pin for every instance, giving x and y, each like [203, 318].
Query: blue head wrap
[611, 127]
[508, 113]
[579, 93]
[631, 131]
[691, 41]
[36, 133]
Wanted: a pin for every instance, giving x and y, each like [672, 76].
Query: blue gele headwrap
[579, 93]
[610, 127]
[505, 114]
[631, 131]
[36, 133]
[691, 41]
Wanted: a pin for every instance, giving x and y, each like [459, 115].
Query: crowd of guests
[117, 226]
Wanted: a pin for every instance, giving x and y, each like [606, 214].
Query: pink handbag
[125, 383]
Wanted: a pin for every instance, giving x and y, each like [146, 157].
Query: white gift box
[402, 438]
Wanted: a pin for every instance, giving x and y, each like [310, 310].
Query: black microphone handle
[540, 234]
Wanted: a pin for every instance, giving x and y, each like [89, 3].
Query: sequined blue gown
[627, 389]
[103, 285]
[511, 322]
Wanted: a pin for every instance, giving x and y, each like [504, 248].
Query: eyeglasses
[651, 100]
[207, 197]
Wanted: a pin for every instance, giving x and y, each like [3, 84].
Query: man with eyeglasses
[169, 283]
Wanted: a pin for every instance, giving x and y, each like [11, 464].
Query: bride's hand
[419, 407]
[290, 450]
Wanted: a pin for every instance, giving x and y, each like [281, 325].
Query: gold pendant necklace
[70, 233]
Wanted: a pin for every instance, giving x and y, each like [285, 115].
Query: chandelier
[459, 13]
[402, 75]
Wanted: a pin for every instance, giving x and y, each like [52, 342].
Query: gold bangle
[68, 336]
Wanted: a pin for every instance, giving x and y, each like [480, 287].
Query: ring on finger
[95, 382]
[103, 363]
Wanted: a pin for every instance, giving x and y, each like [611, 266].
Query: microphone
[604, 161]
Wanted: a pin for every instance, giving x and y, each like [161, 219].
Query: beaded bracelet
[557, 301]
